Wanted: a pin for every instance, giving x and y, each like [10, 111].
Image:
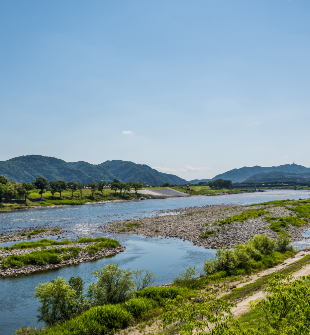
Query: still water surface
[166, 257]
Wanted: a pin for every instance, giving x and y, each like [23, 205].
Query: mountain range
[26, 169]
[244, 173]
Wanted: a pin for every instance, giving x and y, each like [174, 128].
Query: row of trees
[219, 184]
[10, 190]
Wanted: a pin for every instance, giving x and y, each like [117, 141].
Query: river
[166, 257]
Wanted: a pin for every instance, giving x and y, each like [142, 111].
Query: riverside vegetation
[43, 193]
[121, 299]
[33, 255]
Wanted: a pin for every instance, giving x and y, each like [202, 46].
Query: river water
[165, 257]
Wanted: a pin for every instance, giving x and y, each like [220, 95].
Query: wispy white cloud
[186, 168]
[127, 132]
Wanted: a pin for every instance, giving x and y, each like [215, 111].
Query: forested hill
[239, 175]
[279, 176]
[25, 169]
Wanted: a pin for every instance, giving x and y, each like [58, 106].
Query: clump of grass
[56, 229]
[277, 223]
[36, 244]
[248, 214]
[51, 256]
[208, 233]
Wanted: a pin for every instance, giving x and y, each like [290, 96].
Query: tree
[73, 187]
[114, 285]
[93, 187]
[101, 186]
[53, 187]
[3, 191]
[41, 183]
[21, 191]
[122, 186]
[166, 185]
[58, 301]
[80, 188]
[126, 187]
[136, 186]
[220, 183]
[115, 185]
[4, 180]
[61, 186]
[28, 187]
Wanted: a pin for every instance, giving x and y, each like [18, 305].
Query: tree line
[218, 184]
[10, 190]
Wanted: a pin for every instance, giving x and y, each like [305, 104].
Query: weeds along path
[243, 306]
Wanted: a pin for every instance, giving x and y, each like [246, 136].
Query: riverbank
[222, 226]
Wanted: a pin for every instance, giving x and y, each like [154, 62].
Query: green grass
[53, 256]
[248, 214]
[208, 233]
[203, 190]
[277, 223]
[50, 256]
[105, 242]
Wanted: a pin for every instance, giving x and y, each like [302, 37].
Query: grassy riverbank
[79, 198]
[204, 190]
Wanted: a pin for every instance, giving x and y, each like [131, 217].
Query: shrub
[263, 244]
[143, 278]
[160, 293]
[283, 243]
[138, 306]
[57, 300]
[114, 285]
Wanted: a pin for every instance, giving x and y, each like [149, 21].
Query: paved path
[164, 192]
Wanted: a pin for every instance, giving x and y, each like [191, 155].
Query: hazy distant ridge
[239, 175]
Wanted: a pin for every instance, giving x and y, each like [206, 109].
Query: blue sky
[193, 88]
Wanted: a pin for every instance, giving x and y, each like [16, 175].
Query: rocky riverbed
[191, 223]
[25, 234]
[83, 256]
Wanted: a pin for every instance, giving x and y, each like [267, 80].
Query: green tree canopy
[73, 187]
[93, 187]
[61, 186]
[41, 183]
[136, 186]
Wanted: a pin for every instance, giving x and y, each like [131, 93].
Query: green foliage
[210, 316]
[4, 180]
[41, 184]
[278, 222]
[138, 306]
[50, 256]
[283, 243]
[143, 278]
[208, 233]
[57, 300]
[160, 294]
[220, 184]
[190, 273]
[285, 310]
[114, 285]
[257, 253]
[248, 214]
[131, 226]
[136, 186]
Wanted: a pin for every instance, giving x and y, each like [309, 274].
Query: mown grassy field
[34, 198]
[203, 190]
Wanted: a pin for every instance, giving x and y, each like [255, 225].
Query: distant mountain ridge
[242, 174]
[279, 176]
[26, 169]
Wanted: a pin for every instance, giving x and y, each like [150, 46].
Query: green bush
[114, 285]
[160, 293]
[263, 244]
[138, 306]
[259, 252]
[249, 214]
[283, 243]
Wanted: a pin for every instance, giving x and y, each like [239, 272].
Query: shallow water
[166, 257]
